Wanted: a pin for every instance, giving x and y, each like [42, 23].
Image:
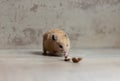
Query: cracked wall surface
[89, 23]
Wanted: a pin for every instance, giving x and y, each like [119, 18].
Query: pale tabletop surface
[31, 65]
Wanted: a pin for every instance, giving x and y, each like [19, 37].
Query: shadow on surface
[41, 53]
[36, 52]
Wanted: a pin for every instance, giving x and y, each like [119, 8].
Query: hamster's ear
[66, 35]
[54, 37]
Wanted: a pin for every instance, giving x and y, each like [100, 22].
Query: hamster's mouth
[59, 51]
[63, 52]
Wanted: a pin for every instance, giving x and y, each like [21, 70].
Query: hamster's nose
[66, 54]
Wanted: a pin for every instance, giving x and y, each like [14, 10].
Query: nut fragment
[76, 60]
[67, 59]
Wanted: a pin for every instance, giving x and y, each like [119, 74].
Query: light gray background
[89, 23]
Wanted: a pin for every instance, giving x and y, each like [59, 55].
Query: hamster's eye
[54, 37]
[60, 46]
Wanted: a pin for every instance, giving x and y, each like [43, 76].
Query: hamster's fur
[56, 42]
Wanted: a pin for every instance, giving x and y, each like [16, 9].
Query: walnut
[76, 60]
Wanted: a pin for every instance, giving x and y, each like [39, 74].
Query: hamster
[56, 42]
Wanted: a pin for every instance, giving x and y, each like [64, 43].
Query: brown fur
[52, 47]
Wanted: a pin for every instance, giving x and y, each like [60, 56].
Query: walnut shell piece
[67, 59]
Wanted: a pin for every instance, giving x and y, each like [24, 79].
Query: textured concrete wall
[89, 23]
